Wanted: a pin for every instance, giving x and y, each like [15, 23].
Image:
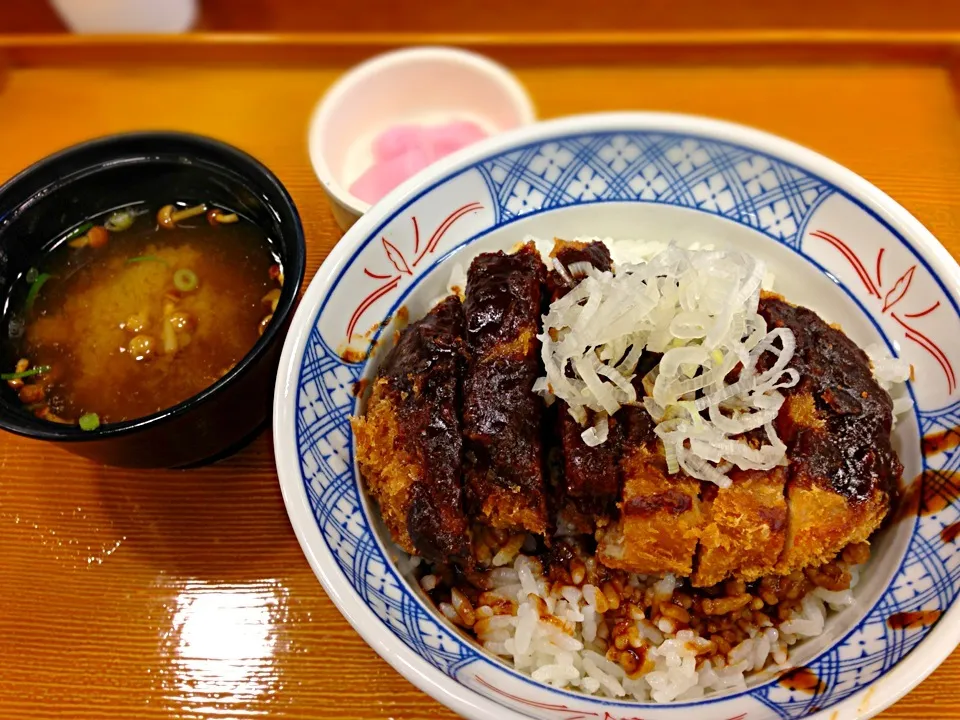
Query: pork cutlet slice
[660, 517]
[591, 481]
[836, 423]
[501, 413]
[744, 527]
[409, 443]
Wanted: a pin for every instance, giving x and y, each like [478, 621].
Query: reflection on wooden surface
[184, 594]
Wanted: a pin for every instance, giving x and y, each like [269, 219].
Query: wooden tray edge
[515, 48]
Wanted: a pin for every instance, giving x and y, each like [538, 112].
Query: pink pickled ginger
[402, 151]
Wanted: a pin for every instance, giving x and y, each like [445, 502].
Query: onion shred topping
[698, 309]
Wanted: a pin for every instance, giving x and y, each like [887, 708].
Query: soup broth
[126, 327]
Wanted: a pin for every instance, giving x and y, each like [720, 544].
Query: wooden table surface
[184, 594]
[285, 16]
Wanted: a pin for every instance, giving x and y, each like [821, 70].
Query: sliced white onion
[580, 269]
[597, 434]
[457, 285]
[670, 455]
[562, 272]
[629, 362]
[700, 469]
[698, 308]
[623, 383]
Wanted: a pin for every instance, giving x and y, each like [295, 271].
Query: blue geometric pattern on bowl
[743, 185]
[718, 178]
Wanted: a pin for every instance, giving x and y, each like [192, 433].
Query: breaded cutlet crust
[501, 413]
[660, 518]
[409, 444]
[836, 487]
[591, 474]
[836, 423]
[744, 527]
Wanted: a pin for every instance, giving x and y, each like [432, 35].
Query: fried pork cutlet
[835, 490]
[660, 516]
[409, 441]
[591, 481]
[744, 527]
[501, 413]
[836, 423]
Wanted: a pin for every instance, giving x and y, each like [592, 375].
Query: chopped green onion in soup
[25, 373]
[185, 280]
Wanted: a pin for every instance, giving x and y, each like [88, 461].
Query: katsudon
[595, 459]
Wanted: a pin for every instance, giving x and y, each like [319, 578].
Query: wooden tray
[184, 594]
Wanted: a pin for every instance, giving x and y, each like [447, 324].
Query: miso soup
[134, 312]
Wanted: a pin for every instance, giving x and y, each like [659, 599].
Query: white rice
[565, 648]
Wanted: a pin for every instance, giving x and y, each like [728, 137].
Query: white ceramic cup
[127, 16]
[414, 85]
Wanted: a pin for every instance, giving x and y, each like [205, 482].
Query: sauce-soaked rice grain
[632, 613]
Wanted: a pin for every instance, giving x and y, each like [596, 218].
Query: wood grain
[542, 15]
[570, 15]
[185, 594]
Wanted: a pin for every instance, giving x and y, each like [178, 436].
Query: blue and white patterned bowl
[836, 243]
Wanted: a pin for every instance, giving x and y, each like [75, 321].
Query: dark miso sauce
[939, 442]
[950, 533]
[913, 620]
[803, 680]
[931, 492]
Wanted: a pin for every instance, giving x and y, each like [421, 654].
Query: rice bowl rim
[864, 703]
